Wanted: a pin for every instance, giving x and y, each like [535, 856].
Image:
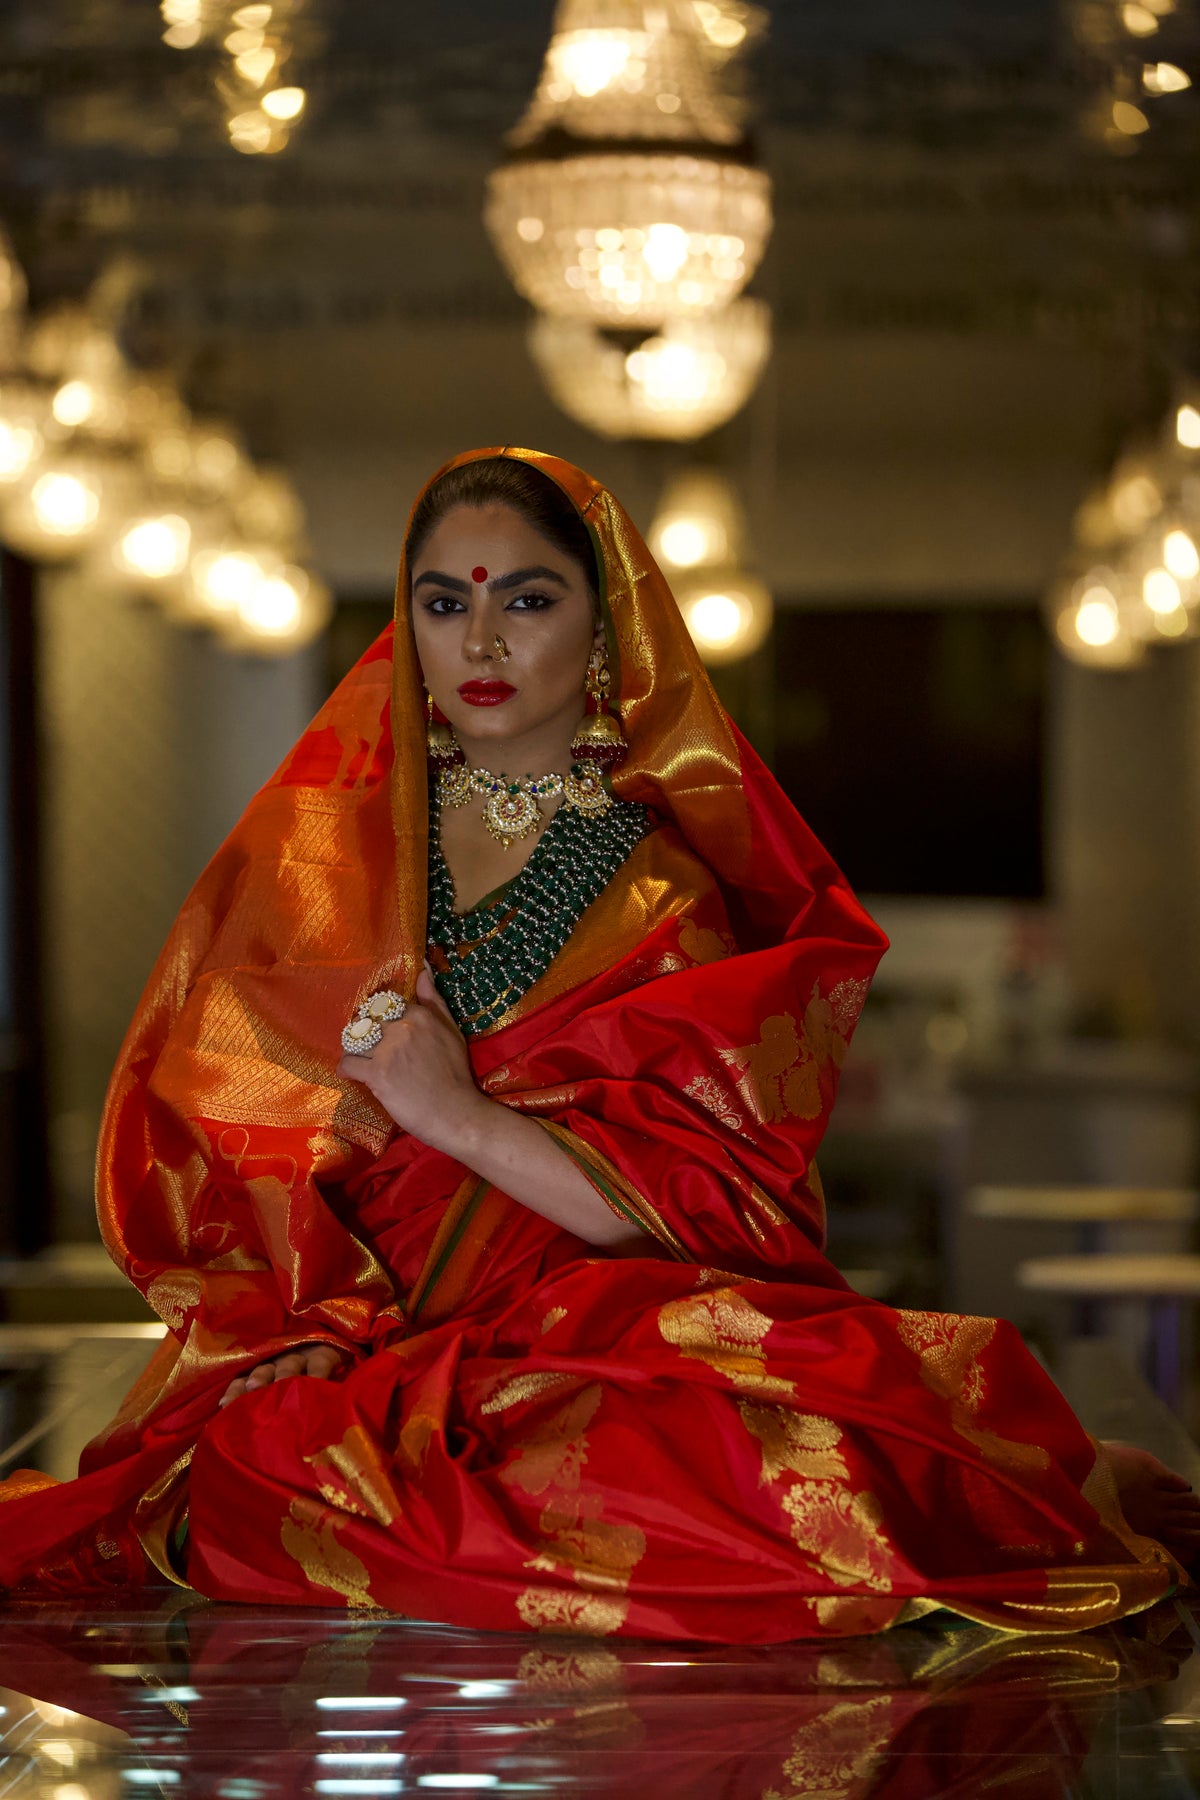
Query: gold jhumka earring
[599, 738]
[441, 746]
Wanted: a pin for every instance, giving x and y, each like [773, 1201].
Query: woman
[516, 1313]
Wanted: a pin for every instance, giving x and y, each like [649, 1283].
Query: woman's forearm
[517, 1156]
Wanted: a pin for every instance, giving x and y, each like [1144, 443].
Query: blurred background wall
[982, 280]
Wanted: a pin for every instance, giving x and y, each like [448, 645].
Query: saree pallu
[714, 1439]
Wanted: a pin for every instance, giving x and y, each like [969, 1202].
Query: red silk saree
[713, 1439]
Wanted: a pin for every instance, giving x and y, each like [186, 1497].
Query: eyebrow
[535, 572]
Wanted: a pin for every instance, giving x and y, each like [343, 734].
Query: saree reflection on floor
[230, 1698]
[712, 1440]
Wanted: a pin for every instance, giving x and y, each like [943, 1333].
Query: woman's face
[484, 572]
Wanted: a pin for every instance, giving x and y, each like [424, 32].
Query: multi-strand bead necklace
[485, 959]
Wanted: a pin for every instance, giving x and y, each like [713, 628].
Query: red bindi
[479, 574]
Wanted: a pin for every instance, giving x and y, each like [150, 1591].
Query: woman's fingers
[320, 1360]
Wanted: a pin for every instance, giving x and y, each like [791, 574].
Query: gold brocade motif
[717, 1099]
[780, 1076]
[553, 1318]
[561, 1609]
[721, 1328]
[803, 1443]
[308, 1535]
[949, 1346]
[515, 1390]
[832, 1755]
[353, 1477]
[173, 1294]
[599, 1554]
[837, 1530]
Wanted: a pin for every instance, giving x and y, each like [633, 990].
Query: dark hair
[505, 481]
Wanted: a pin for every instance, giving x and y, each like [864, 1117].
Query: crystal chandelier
[685, 380]
[1133, 575]
[629, 196]
[101, 463]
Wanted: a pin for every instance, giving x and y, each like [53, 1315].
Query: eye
[443, 604]
[531, 601]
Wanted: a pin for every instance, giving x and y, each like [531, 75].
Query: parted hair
[504, 481]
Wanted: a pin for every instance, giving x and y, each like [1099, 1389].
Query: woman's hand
[310, 1359]
[419, 1072]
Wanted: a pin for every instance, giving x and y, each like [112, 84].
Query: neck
[542, 752]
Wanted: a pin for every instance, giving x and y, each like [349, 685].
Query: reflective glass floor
[166, 1694]
[202, 1702]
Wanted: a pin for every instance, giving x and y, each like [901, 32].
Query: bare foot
[1156, 1501]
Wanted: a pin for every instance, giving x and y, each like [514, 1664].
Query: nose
[479, 637]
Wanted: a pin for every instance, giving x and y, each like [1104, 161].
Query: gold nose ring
[501, 648]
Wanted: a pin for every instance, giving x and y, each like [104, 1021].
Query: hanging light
[629, 196]
[698, 523]
[1092, 621]
[727, 612]
[153, 547]
[56, 510]
[281, 613]
[1187, 426]
[686, 380]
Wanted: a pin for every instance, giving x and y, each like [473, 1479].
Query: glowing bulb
[530, 230]
[721, 30]
[255, 65]
[227, 579]
[1171, 624]
[155, 548]
[74, 403]
[181, 12]
[1129, 120]
[64, 505]
[665, 250]
[252, 18]
[1160, 591]
[590, 61]
[1096, 620]
[19, 444]
[1187, 427]
[715, 621]
[184, 36]
[1181, 556]
[1138, 21]
[239, 42]
[273, 608]
[251, 133]
[685, 543]
[284, 102]
[1135, 501]
[1165, 78]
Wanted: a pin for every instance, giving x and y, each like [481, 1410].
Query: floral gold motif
[360, 1481]
[722, 1328]
[308, 1535]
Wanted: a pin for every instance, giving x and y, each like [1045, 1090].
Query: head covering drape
[226, 1125]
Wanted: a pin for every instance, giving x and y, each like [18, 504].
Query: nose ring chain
[501, 648]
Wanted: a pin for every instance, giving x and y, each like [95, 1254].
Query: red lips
[486, 693]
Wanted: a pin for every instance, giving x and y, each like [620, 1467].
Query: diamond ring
[365, 1029]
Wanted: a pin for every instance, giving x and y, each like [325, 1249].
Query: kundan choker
[511, 809]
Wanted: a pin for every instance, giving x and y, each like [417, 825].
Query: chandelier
[688, 378]
[1130, 49]
[104, 465]
[629, 196]
[697, 536]
[1132, 578]
[262, 105]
